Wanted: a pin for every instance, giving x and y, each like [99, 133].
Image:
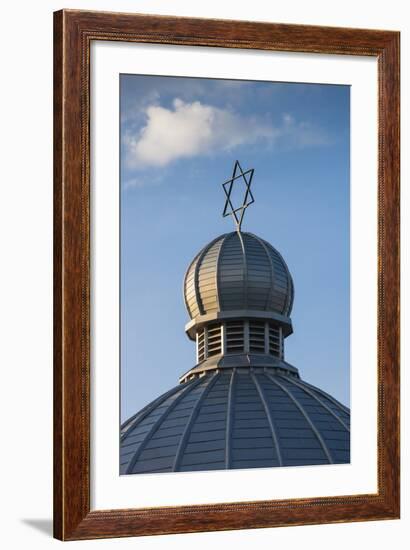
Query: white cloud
[191, 129]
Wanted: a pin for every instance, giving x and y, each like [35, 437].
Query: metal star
[238, 176]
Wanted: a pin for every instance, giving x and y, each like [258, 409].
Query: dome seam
[143, 413]
[193, 416]
[226, 237]
[190, 313]
[306, 416]
[245, 270]
[229, 420]
[158, 422]
[328, 396]
[316, 398]
[268, 416]
[201, 256]
[269, 298]
[291, 289]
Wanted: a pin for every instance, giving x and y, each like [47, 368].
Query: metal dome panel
[238, 271]
[236, 418]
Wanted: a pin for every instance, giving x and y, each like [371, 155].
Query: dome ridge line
[328, 396]
[268, 416]
[225, 238]
[201, 256]
[184, 283]
[245, 269]
[311, 393]
[143, 413]
[229, 420]
[269, 299]
[305, 414]
[291, 293]
[291, 290]
[194, 413]
[158, 422]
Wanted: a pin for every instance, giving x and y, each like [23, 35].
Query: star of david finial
[239, 177]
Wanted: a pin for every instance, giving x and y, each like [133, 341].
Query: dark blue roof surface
[236, 418]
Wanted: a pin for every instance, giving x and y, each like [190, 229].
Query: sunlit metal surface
[238, 271]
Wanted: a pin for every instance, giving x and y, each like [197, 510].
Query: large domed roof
[236, 418]
[238, 271]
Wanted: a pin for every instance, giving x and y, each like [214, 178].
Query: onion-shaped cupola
[238, 271]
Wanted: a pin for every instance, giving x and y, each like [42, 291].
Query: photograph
[204, 275]
[226, 287]
[234, 274]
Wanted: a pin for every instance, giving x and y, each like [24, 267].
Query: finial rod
[238, 177]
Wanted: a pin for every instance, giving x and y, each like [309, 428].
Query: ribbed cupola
[239, 294]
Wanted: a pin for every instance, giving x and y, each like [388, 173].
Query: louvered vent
[275, 344]
[239, 337]
[234, 337]
[256, 337]
[201, 345]
[214, 340]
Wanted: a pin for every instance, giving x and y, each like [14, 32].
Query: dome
[238, 271]
[236, 418]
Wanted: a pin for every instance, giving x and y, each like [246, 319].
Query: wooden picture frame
[74, 32]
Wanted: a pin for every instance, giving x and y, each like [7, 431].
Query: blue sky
[179, 140]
